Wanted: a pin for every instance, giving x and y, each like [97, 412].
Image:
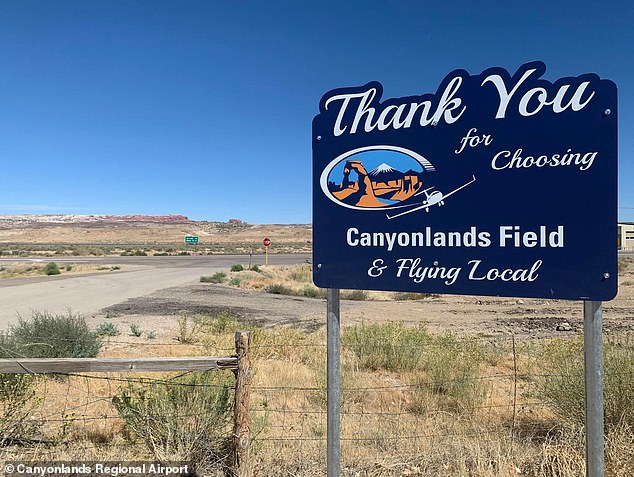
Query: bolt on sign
[500, 184]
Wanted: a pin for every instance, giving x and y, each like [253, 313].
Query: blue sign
[497, 184]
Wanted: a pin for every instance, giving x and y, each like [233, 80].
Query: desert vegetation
[47, 335]
[8, 250]
[184, 419]
[35, 269]
[414, 403]
[296, 280]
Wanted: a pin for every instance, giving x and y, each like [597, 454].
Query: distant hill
[79, 219]
[144, 229]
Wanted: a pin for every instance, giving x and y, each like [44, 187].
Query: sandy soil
[471, 315]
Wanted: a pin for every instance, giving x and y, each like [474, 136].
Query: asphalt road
[139, 276]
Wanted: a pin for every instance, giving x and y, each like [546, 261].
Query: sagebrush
[182, 419]
[47, 335]
[563, 380]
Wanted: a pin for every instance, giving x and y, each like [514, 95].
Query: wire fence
[476, 406]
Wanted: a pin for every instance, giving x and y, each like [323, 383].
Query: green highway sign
[192, 239]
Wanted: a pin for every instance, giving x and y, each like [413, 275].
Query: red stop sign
[267, 242]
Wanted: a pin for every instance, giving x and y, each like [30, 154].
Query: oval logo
[375, 177]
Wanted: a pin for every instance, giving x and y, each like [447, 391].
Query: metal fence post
[593, 363]
[242, 420]
[333, 384]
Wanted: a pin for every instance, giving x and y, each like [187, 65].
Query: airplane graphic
[431, 198]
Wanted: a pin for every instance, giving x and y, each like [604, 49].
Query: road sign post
[191, 240]
[267, 243]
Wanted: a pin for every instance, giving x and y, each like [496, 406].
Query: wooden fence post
[242, 420]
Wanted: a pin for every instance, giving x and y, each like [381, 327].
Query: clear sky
[204, 108]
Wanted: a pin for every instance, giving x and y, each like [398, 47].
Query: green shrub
[237, 268]
[52, 269]
[140, 253]
[69, 268]
[107, 329]
[312, 291]
[448, 377]
[389, 346]
[279, 289]
[186, 331]
[255, 268]
[46, 335]
[185, 419]
[218, 277]
[135, 330]
[563, 381]
[235, 281]
[223, 322]
[358, 295]
[446, 368]
[17, 404]
[303, 273]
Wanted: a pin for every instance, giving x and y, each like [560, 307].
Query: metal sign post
[267, 243]
[333, 383]
[593, 363]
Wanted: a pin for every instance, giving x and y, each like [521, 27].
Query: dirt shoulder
[469, 315]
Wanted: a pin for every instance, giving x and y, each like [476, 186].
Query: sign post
[333, 384]
[593, 364]
[267, 243]
[485, 187]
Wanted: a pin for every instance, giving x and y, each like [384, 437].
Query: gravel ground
[471, 315]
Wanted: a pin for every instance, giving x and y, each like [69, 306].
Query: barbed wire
[296, 413]
[423, 345]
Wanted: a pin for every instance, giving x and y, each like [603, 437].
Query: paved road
[90, 293]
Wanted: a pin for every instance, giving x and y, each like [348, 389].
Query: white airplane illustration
[431, 199]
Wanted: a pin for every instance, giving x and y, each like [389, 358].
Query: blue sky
[204, 108]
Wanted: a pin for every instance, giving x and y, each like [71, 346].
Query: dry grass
[24, 270]
[384, 432]
[297, 280]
